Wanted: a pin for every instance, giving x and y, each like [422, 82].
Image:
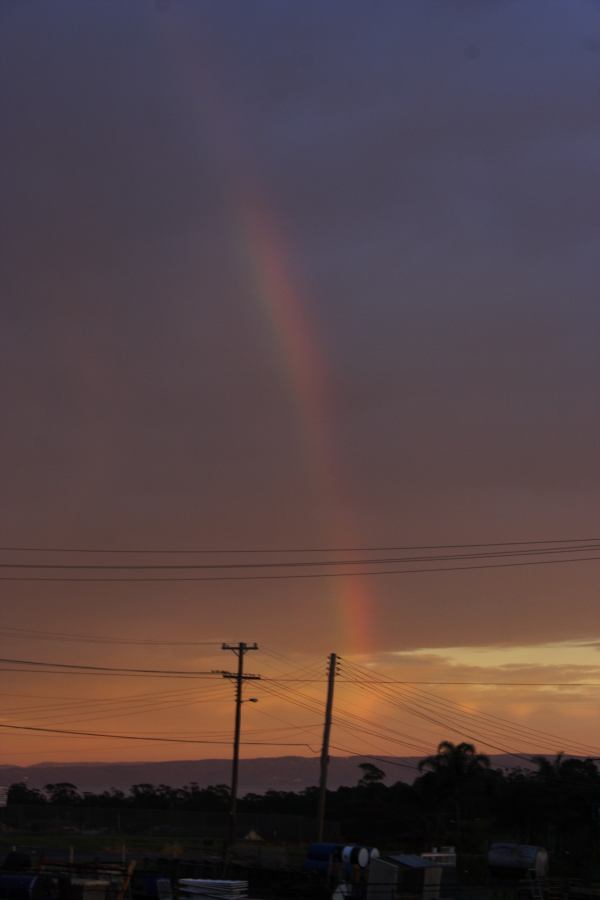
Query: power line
[291, 576]
[434, 717]
[116, 669]
[516, 729]
[61, 636]
[133, 737]
[178, 675]
[76, 706]
[104, 674]
[311, 563]
[306, 668]
[382, 759]
[75, 637]
[164, 706]
[446, 683]
[449, 719]
[232, 551]
[343, 718]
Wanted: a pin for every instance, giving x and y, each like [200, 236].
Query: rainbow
[306, 372]
[285, 311]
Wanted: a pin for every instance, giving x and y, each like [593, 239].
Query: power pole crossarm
[325, 746]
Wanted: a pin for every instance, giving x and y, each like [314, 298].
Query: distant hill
[284, 773]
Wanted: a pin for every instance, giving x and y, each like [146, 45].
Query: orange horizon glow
[287, 721]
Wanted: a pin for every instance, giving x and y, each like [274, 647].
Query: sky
[285, 275]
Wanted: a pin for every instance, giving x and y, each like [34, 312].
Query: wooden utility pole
[239, 677]
[325, 746]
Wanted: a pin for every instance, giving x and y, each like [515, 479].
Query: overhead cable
[232, 551]
[294, 564]
[293, 576]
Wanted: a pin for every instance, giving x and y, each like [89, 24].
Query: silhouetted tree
[454, 771]
[371, 774]
[20, 793]
[63, 793]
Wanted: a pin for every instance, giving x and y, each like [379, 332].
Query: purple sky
[429, 173]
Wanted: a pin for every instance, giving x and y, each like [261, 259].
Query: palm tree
[457, 760]
[453, 765]
[549, 770]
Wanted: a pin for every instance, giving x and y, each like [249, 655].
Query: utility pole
[325, 745]
[239, 677]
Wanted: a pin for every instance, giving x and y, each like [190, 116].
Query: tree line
[457, 798]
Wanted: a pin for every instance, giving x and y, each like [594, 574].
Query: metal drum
[518, 860]
[356, 855]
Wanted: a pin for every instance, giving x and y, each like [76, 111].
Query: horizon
[253, 759]
[292, 774]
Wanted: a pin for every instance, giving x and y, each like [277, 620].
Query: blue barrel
[324, 851]
[26, 887]
[348, 872]
[316, 866]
